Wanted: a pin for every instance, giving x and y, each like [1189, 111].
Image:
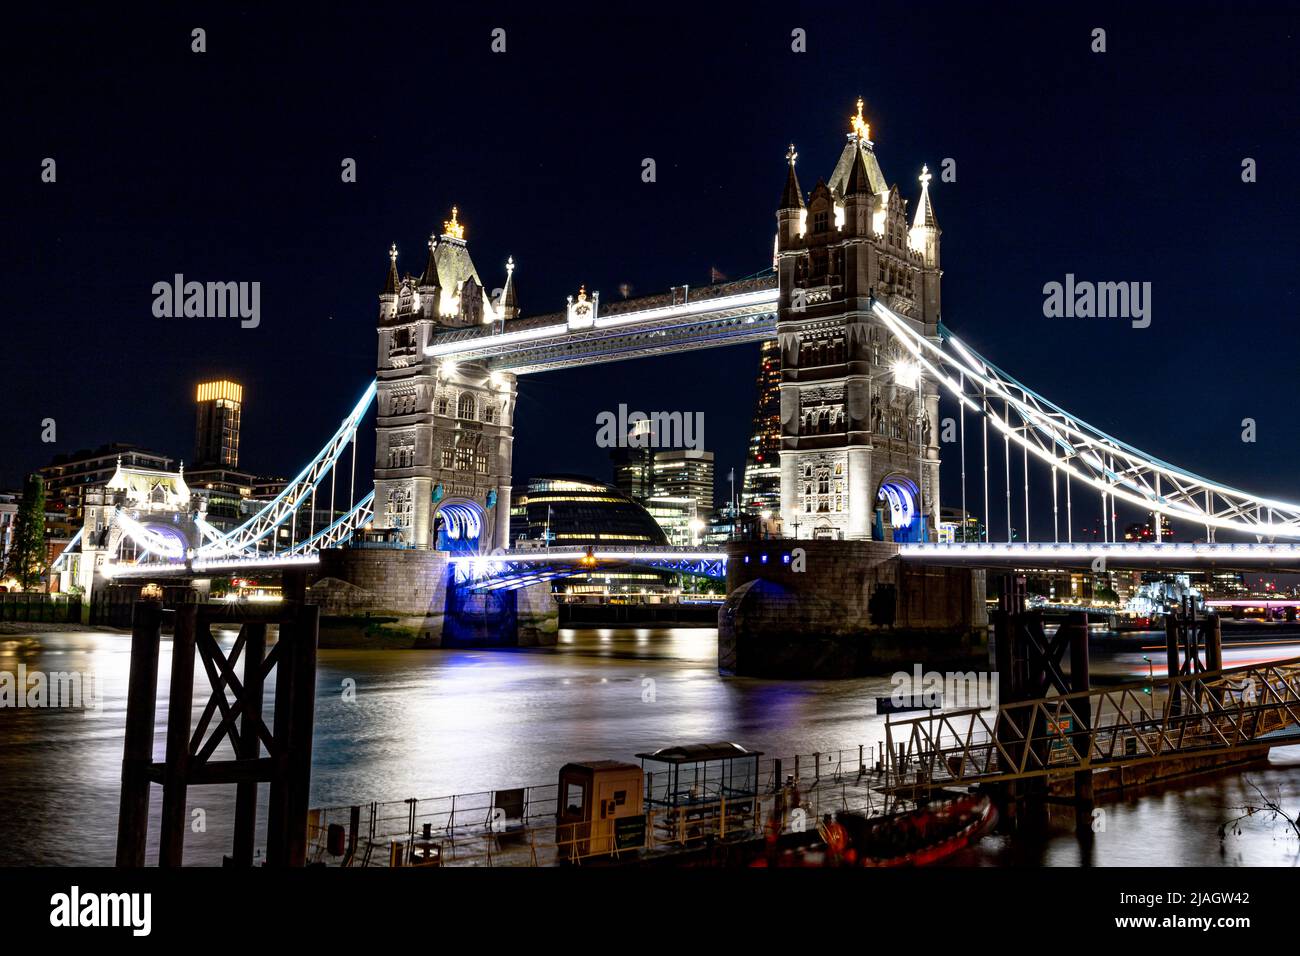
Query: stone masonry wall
[842, 608]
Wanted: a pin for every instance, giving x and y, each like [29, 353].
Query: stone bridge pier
[824, 609]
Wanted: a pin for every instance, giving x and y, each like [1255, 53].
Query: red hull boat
[918, 838]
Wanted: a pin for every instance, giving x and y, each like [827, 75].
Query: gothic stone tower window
[401, 450]
[399, 509]
[465, 406]
[824, 490]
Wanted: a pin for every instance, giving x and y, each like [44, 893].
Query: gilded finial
[392, 252]
[925, 176]
[791, 155]
[452, 227]
[861, 129]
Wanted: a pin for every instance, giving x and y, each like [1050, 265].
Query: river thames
[398, 724]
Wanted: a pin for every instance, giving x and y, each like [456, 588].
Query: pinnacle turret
[924, 211]
[792, 198]
[510, 297]
[430, 278]
[390, 284]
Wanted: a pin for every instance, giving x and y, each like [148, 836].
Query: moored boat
[917, 838]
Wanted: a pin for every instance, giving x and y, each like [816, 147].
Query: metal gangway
[1229, 713]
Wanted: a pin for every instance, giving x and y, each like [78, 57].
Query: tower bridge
[852, 299]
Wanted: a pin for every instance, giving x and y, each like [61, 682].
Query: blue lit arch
[902, 497]
[458, 524]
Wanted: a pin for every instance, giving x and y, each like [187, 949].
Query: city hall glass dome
[575, 511]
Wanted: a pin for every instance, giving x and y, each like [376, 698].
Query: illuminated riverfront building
[216, 433]
[69, 477]
[761, 489]
[684, 474]
[678, 517]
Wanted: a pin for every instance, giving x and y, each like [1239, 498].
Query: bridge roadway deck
[1281, 557]
[729, 313]
[1115, 556]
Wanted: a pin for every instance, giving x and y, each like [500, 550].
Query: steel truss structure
[1225, 711]
[245, 539]
[1078, 451]
[712, 318]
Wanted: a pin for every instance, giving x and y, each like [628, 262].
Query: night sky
[225, 166]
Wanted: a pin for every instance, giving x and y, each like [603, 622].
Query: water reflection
[429, 723]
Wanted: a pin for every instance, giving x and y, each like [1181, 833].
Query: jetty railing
[1223, 711]
[518, 826]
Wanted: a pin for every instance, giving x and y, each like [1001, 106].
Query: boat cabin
[598, 809]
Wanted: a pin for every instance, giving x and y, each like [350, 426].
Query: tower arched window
[465, 406]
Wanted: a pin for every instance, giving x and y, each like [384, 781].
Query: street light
[907, 373]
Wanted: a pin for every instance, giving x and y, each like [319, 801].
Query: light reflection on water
[428, 723]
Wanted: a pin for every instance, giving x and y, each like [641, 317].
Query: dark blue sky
[225, 166]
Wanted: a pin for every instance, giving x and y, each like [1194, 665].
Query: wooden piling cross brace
[286, 765]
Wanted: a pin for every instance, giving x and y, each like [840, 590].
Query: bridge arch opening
[458, 526]
[151, 541]
[899, 517]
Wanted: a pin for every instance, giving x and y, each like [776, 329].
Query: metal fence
[519, 827]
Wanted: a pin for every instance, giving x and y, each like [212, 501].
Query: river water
[397, 724]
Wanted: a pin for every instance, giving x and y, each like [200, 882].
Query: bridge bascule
[853, 300]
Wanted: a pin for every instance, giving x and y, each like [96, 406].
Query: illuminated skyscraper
[684, 474]
[216, 436]
[761, 489]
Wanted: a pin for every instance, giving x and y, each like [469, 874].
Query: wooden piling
[137, 748]
[306, 629]
[180, 699]
[249, 744]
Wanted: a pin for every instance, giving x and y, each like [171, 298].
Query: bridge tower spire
[388, 297]
[790, 214]
[509, 295]
[923, 239]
